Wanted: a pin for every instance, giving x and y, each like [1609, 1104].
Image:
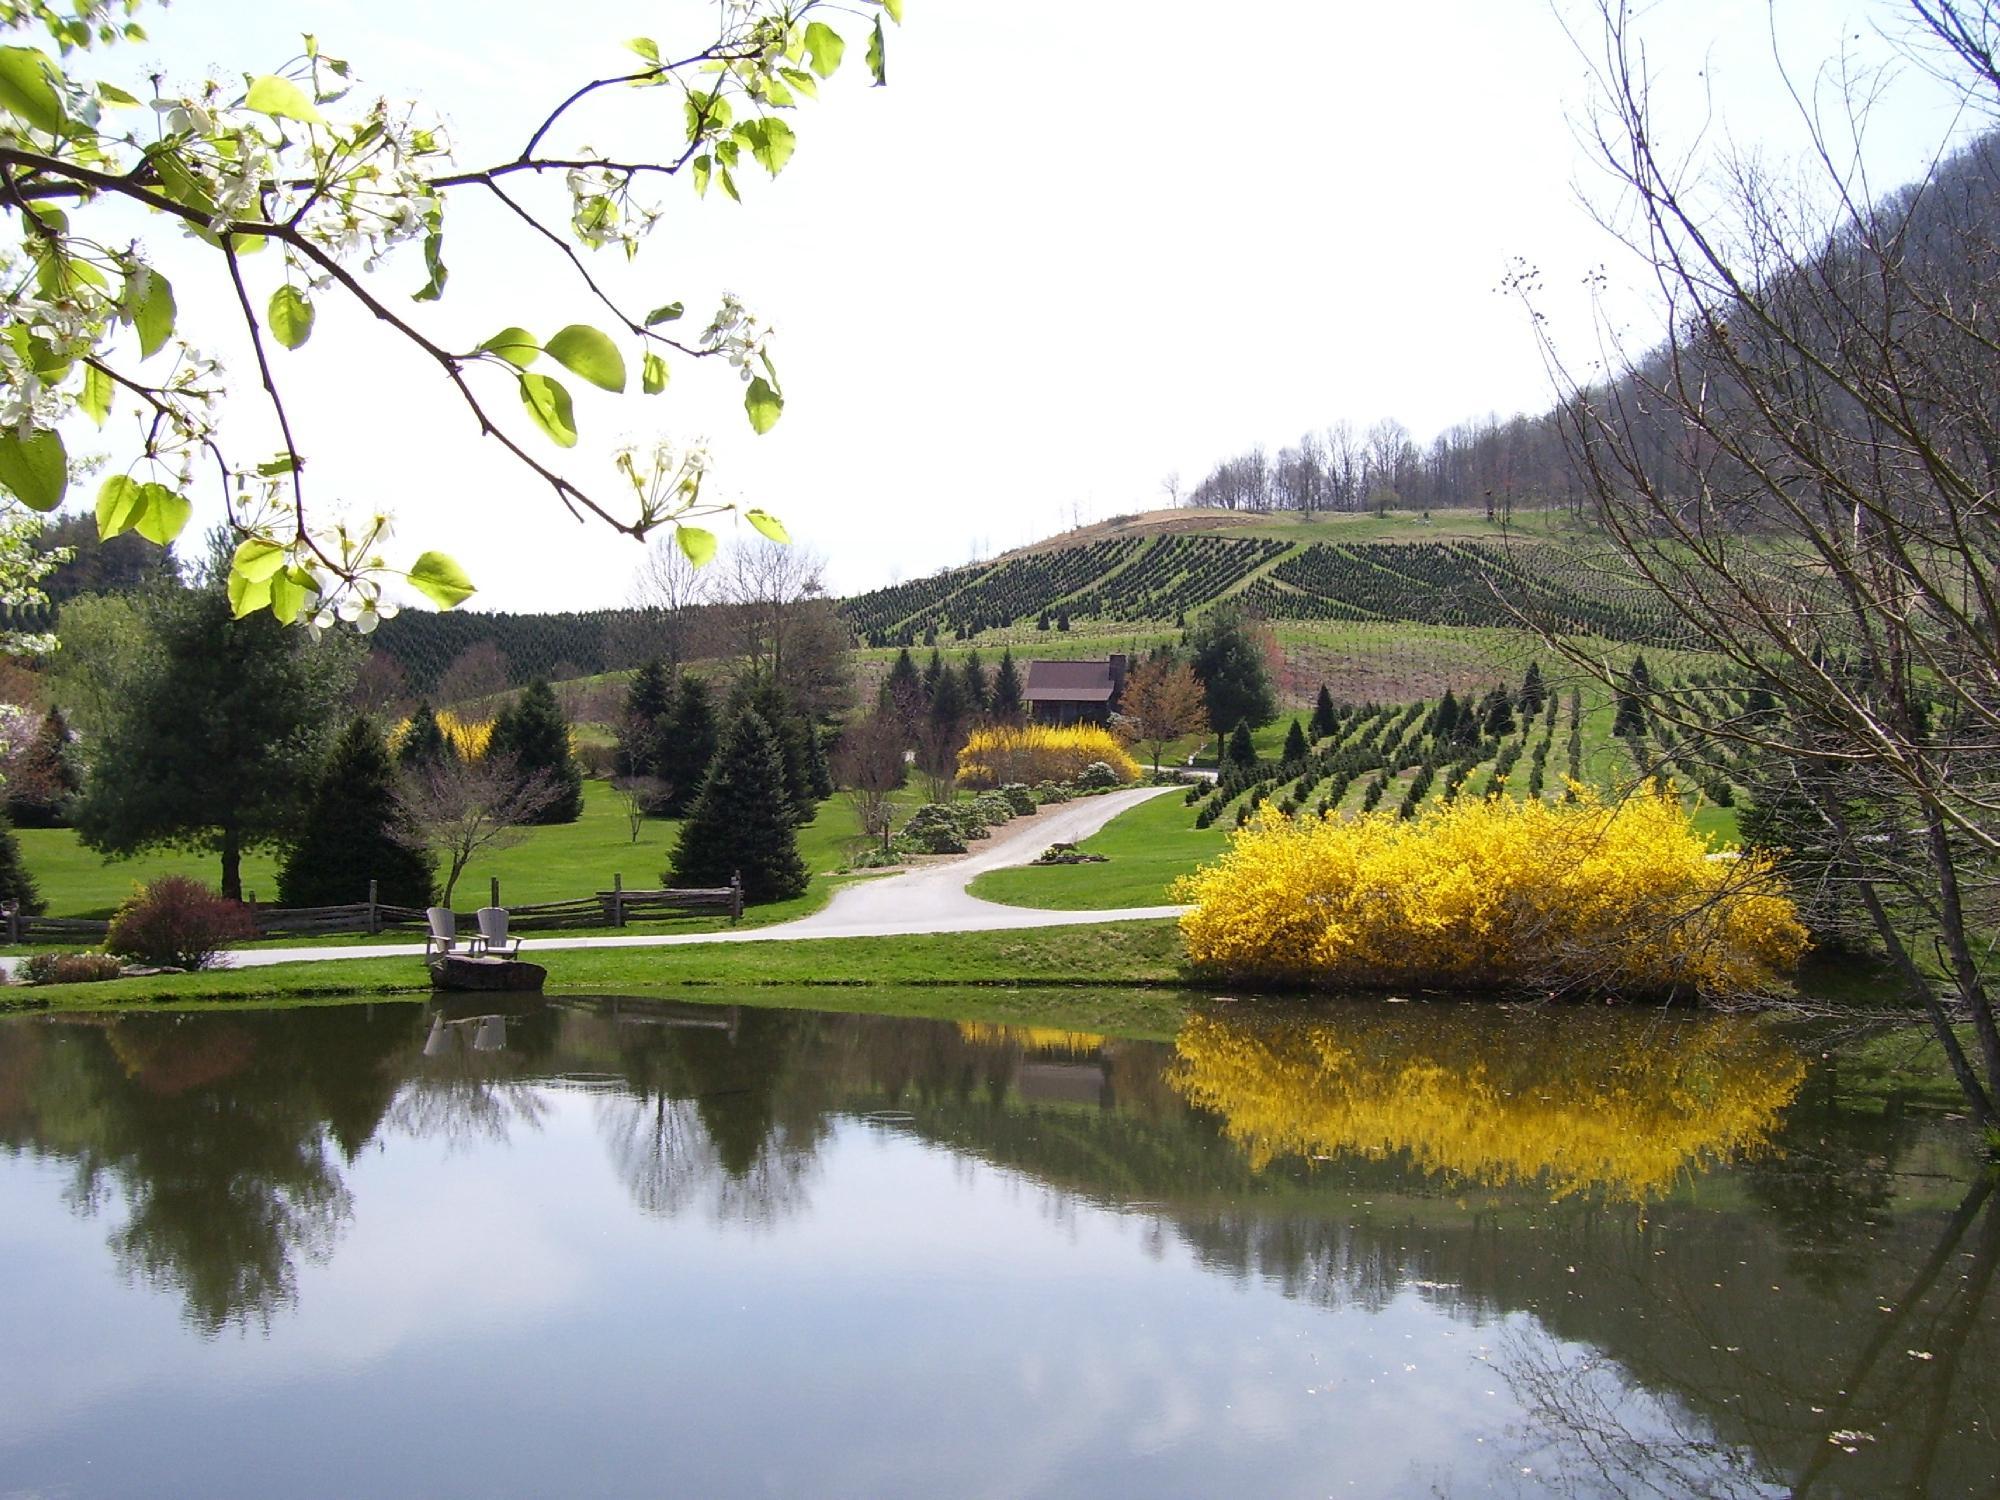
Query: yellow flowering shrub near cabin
[469, 737]
[1493, 893]
[1626, 1105]
[1028, 753]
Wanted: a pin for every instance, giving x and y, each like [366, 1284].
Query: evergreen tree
[532, 733]
[741, 822]
[1324, 720]
[934, 673]
[355, 832]
[978, 692]
[1228, 657]
[821, 771]
[1242, 749]
[1534, 692]
[17, 886]
[687, 744]
[1499, 714]
[902, 684]
[1006, 706]
[1632, 694]
[648, 697]
[423, 744]
[793, 734]
[948, 705]
[1759, 706]
[43, 781]
[212, 737]
[1296, 747]
[1444, 718]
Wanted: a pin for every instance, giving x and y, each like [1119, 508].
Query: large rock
[455, 971]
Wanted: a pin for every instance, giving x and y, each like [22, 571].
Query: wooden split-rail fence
[616, 907]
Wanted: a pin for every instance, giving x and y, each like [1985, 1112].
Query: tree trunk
[232, 864]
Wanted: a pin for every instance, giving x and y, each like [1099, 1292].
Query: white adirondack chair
[493, 932]
[443, 937]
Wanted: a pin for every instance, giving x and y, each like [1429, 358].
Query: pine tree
[1242, 749]
[1499, 714]
[741, 823]
[1007, 689]
[794, 737]
[1324, 720]
[933, 674]
[355, 832]
[532, 733]
[17, 886]
[1534, 692]
[647, 699]
[902, 684]
[1444, 718]
[1296, 748]
[978, 692]
[423, 744]
[43, 780]
[687, 744]
[1632, 694]
[821, 771]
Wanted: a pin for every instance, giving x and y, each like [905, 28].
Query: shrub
[68, 968]
[993, 809]
[1019, 798]
[933, 828]
[1052, 791]
[1040, 752]
[1099, 776]
[178, 922]
[1493, 894]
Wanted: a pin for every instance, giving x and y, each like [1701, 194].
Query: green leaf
[118, 502]
[28, 90]
[825, 47]
[548, 403]
[440, 580]
[434, 263]
[96, 397]
[653, 374]
[878, 66]
[589, 352]
[162, 513]
[257, 559]
[764, 404]
[668, 314]
[35, 468]
[646, 47]
[697, 545]
[289, 590]
[177, 182]
[804, 82]
[247, 595]
[110, 93]
[771, 141]
[282, 99]
[152, 311]
[895, 10]
[702, 167]
[768, 524]
[291, 316]
[515, 345]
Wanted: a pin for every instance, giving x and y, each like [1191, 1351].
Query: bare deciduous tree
[869, 767]
[460, 807]
[1163, 700]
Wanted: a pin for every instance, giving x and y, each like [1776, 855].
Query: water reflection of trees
[1628, 1104]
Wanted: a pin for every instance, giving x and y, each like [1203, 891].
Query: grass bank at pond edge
[1106, 954]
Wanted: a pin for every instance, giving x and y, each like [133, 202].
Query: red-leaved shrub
[178, 922]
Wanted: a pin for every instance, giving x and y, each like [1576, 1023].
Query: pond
[623, 1247]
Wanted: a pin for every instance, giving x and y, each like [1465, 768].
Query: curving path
[929, 899]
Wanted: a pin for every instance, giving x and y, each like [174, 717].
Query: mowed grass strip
[1104, 954]
[1145, 849]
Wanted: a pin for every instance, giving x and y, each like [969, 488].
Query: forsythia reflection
[1042, 1039]
[1625, 1105]
[1493, 893]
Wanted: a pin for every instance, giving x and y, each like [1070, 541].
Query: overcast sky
[1072, 248]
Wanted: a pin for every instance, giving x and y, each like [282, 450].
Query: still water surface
[637, 1248]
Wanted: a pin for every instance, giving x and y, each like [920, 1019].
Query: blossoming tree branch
[298, 191]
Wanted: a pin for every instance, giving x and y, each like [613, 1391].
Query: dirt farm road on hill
[930, 898]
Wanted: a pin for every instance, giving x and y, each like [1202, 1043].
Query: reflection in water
[1629, 1104]
[1695, 1275]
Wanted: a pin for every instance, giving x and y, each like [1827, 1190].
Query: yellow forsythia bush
[1625, 1106]
[1493, 893]
[468, 737]
[1028, 753]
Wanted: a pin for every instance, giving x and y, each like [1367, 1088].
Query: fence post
[496, 892]
[374, 909]
[736, 896]
[617, 900]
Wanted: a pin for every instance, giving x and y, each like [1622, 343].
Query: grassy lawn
[1112, 954]
[1146, 848]
[555, 863]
